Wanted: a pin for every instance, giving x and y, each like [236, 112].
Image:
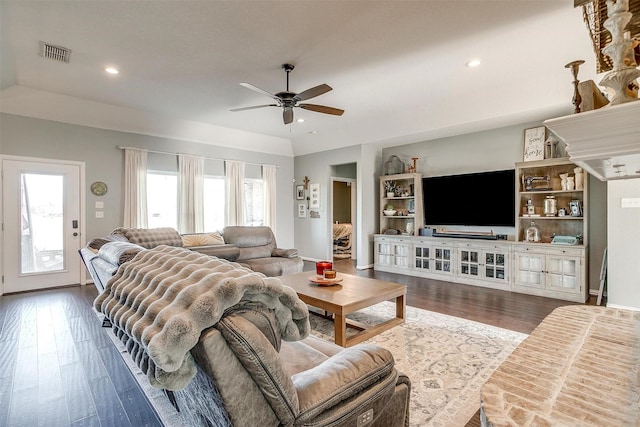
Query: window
[254, 201]
[162, 199]
[214, 203]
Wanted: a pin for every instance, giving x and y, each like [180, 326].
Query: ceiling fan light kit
[288, 100]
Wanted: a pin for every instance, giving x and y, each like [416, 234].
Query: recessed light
[300, 120]
[112, 70]
[473, 63]
[313, 132]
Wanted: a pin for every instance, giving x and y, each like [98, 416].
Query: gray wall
[24, 136]
[477, 152]
[314, 236]
[623, 280]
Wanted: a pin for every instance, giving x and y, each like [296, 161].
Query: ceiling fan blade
[255, 106]
[287, 115]
[257, 89]
[313, 92]
[322, 109]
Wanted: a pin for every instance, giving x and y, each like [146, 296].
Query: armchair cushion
[284, 253]
[349, 374]
[262, 361]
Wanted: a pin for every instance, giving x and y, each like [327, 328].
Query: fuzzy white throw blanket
[161, 301]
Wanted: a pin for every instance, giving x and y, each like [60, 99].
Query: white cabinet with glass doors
[392, 253]
[432, 257]
[550, 271]
[484, 263]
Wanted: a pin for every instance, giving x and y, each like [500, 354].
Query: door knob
[75, 234]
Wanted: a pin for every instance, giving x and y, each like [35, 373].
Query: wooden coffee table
[353, 293]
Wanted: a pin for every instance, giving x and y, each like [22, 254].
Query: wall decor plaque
[534, 144]
[99, 188]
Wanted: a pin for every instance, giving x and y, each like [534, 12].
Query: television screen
[485, 198]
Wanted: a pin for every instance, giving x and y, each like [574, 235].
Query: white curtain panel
[234, 181]
[269, 180]
[191, 193]
[135, 184]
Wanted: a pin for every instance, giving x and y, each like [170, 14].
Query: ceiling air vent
[57, 53]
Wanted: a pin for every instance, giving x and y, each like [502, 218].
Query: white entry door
[41, 211]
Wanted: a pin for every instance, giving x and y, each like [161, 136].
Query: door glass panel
[488, 258]
[42, 228]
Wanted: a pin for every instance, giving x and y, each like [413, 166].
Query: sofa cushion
[275, 266]
[254, 242]
[150, 237]
[202, 239]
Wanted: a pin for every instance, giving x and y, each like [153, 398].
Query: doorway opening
[343, 212]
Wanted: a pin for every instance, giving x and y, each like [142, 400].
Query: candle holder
[577, 99]
[321, 266]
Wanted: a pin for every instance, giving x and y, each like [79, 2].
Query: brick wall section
[580, 366]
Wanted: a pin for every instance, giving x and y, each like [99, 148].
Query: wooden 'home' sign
[534, 144]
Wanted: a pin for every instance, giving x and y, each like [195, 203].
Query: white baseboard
[623, 307]
[364, 267]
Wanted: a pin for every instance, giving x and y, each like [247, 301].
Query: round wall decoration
[99, 188]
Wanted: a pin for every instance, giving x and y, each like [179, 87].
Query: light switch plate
[99, 214]
[99, 205]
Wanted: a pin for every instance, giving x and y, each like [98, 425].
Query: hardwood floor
[58, 367]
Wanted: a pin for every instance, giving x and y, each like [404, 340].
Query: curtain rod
[206, 157]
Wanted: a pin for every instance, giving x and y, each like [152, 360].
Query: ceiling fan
[288, 100]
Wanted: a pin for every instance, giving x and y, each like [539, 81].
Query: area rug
[447, 358]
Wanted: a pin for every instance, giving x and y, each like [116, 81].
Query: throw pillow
[202, 239]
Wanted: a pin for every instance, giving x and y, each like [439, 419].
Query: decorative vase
[579, 178]
[570, 183]
[550, 206]
[390, 194]
[563, 181]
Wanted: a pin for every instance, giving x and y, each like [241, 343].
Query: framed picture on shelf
[299, 192]
[534, 144]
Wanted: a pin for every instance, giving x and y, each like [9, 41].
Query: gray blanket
[161, 301]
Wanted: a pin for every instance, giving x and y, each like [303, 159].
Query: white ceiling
[396, 67]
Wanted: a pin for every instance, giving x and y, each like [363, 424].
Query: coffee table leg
[401, 308]
[340, 329]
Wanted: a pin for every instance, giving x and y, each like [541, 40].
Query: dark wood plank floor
[59, 368]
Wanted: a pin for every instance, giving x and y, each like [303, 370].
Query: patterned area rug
[447, 358]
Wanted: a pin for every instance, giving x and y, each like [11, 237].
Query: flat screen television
[474, 199]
